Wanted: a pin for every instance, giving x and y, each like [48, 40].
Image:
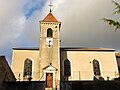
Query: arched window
[67, 68]
[27, 68]
[96, 68]
[49, 32]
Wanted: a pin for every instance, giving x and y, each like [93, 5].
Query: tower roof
[50, 18]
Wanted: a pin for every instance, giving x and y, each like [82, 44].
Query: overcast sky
[81, 23]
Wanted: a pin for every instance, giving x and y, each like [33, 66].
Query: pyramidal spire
[50, 17]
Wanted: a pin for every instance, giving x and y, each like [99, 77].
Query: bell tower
[49, 51]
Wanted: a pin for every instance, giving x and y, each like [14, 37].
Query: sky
[82, 24]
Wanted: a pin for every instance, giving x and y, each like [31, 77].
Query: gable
[49, 68]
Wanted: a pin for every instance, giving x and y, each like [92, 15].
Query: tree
[112, 22]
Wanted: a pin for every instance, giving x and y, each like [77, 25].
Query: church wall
[18, 59]
[49, 54]
[82, 64]
[118, 61]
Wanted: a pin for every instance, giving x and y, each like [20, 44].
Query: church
[52, 63]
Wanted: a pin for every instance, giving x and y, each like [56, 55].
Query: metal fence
[75, 75]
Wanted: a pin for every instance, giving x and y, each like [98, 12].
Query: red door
[49, 80]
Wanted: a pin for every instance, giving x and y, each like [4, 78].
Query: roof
[6, 73]
[50, 67]
[25, 48]
[50, 18]
[71, 49]
[85, 49]
[117, 54]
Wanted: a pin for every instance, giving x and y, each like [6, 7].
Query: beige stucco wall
[50, 54]
[81, 63]
[82, 66]
[18, 58]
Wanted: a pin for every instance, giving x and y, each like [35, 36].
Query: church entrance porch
[50, 73]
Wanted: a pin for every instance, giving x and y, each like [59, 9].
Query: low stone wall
[25, 85]
[90, 85]
[65, 85]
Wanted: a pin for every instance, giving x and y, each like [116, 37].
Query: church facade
[52, 63]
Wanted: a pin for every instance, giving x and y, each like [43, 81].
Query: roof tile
[50, 18]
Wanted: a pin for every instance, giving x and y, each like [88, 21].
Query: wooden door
[49, 80]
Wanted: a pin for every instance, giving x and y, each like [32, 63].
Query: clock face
[49, 41]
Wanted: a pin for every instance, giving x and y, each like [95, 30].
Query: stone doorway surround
[50, 77]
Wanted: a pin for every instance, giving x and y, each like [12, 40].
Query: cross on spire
[50, 5]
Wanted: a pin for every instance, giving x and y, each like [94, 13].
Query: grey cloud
[81, 25]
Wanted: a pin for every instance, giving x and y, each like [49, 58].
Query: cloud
[81, 24]
[10, 21]
[13, 23]
[33, 5]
